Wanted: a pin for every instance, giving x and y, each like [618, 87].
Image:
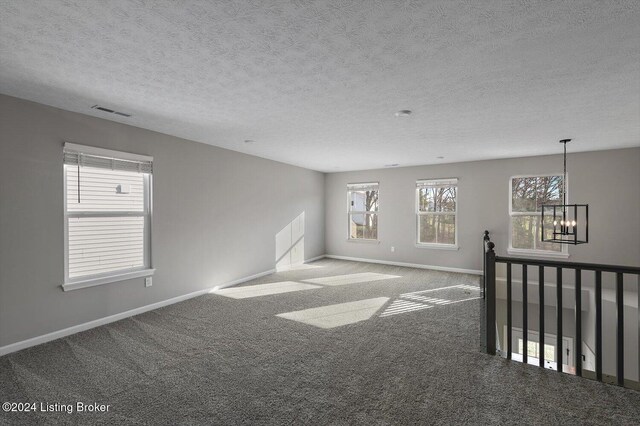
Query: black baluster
[578, 316]
[509, 314]
[559, 319]
[620, 329]
[541, 314]
[599, 325]
[525, 317]
[490, 278]
[485, 239]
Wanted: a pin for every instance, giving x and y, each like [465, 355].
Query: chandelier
[570, 221]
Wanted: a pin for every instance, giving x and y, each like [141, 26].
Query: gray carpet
[217, 360]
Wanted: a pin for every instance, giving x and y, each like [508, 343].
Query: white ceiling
[316, 84]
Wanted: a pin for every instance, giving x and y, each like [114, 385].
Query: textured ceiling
[316, 84]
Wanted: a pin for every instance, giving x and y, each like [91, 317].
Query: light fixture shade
[565, 223]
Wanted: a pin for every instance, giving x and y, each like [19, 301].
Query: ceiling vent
[110, 111]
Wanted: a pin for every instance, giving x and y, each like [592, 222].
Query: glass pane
[427, 228]
[363, 226]
[523, 194]
[523, 232]
[426, 199]
[437, 199]
[361, 201]
[446, 198]
[356, 225]
[446, 229]
[548, 233]
[437, 229]
[526, 233]
[103, 190]
[549, 191]
[549, 352]
[533, 348]
[371, 227]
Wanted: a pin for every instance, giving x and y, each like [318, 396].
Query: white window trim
[564, 254]
[363, 241]
[113, 276]
[93, 150]
[106, 279]
[436, 246]
[350, 187]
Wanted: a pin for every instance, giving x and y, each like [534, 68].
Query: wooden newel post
[490, 299]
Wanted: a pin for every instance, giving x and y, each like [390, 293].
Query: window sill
[538, 253]
[92, 282]
[363, 241]
[438, 246]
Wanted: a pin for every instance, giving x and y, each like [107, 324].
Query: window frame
[550, 339]
[418, 213]
[146, 270]
[564, 253]
[350, 187]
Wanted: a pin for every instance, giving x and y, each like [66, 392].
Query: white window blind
[437, 182]
[89, 156]
[107, 212]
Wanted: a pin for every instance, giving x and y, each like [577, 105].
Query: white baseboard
[408, 265]
[313, 259]
[244, 279]
[24, 344]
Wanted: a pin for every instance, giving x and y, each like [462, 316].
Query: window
[107, 216]
[533, 349]
[363, 211]
[436, 205]
[528, 194]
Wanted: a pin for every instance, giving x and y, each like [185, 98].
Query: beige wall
[216, 214]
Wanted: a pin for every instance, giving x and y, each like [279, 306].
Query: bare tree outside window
[363, 211]
[436, 211]
[528, 194]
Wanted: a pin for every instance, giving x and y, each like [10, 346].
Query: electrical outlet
[148, 282]
[393, 249]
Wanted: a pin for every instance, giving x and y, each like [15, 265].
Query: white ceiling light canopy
[403, 113]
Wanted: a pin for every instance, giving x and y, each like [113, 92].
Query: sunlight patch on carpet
[351, 279]
[264, 289]
[402, 307]
[337, 315]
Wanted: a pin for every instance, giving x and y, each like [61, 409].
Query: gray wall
[609, 181]
[216, 215]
